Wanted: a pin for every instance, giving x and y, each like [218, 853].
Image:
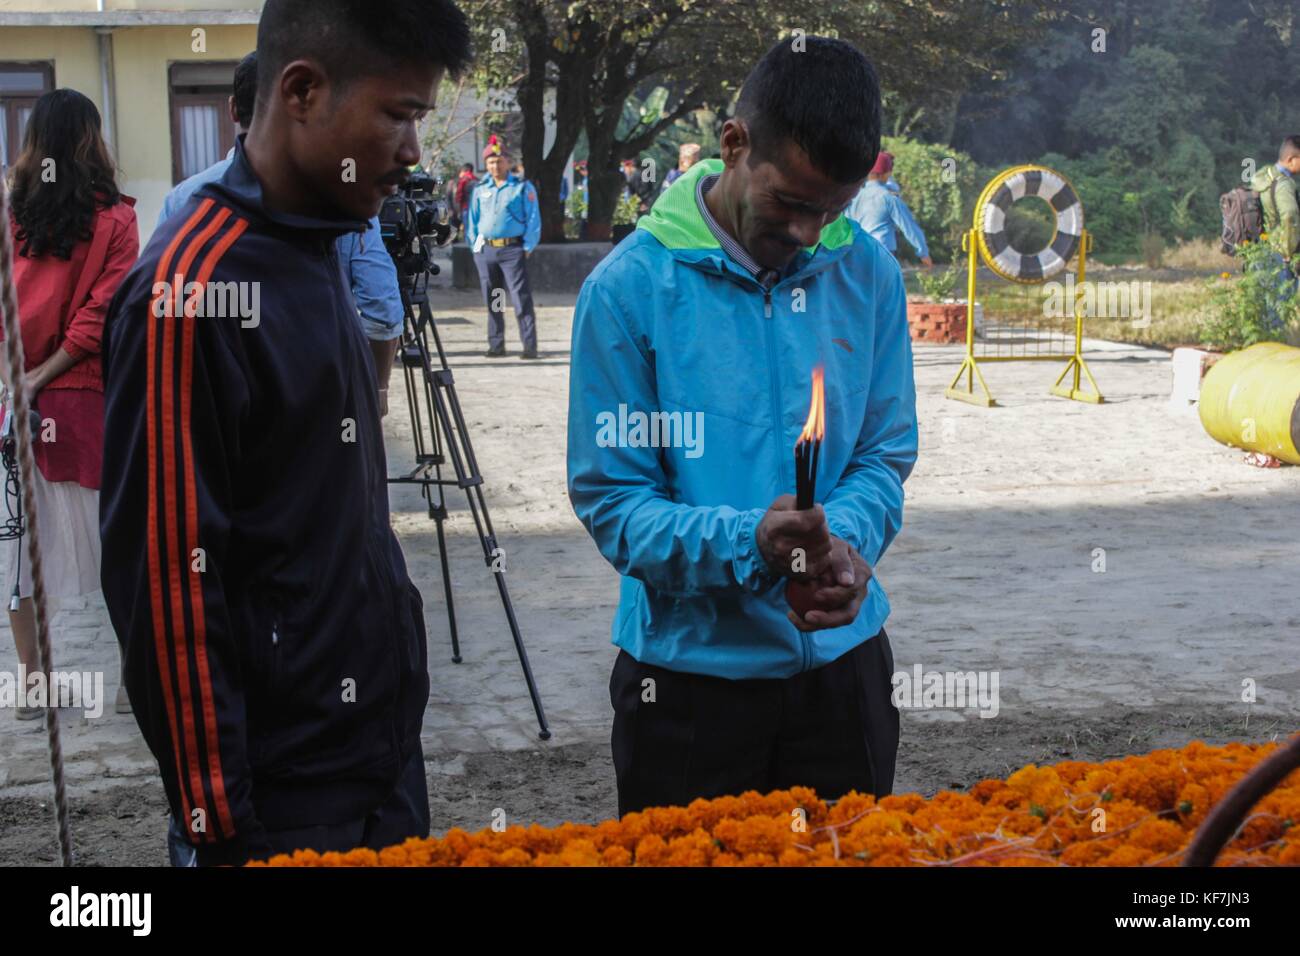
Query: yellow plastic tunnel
[1251, 399]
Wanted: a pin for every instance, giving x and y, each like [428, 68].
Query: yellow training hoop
[1028, 268]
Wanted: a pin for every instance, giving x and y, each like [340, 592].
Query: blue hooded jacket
[688, 389]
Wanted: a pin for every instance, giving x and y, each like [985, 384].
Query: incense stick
[805, 473]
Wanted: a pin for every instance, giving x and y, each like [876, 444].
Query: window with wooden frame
[21, 85]
[202, 131]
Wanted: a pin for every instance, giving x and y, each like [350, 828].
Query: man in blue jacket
[693, 348]
[880, 210]
[274, 644]
[366, 263]
[503, 227]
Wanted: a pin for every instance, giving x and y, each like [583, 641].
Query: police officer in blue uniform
[503, 226]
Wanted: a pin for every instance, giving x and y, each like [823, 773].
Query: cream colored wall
[183, 4]
[90, 6]
[141, 56]
[48, 6]
[74, 53]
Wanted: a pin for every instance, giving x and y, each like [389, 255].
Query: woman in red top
[75, 239]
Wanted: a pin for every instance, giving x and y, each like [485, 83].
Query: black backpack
[1243, 216]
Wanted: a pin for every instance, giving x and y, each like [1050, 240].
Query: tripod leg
[440, 515]
[544, 732]
[447, 422]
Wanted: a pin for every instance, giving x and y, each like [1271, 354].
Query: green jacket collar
[676, 222]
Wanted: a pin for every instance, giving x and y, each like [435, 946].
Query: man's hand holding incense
[834, 598]
[794, 543]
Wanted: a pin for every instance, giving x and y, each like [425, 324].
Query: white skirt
[67, 517]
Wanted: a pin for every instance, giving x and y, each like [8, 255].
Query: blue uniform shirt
[366, 263]
[183, 191]
[879, 211]
[370, 272]
[500, 212]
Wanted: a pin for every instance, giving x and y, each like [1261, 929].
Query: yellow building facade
[158, 70]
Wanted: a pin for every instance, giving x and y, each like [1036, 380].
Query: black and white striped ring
[1004, 190]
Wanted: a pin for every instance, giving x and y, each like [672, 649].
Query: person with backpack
[1268, 207]
[1276, 186]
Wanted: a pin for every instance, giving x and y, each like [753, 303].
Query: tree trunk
[604, 181]
[603, 190]
[570, 105]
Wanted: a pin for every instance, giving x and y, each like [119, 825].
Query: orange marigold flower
[1145, 807]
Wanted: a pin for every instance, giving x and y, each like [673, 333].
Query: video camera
[413, 222]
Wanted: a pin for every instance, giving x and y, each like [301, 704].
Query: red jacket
[465, 183]
[62, 302]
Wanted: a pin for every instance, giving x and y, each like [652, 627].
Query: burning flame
[815, 428]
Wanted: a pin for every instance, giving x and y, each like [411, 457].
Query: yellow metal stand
[974, 246]
[970, 366]
[1076, 364]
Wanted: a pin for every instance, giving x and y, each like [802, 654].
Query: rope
[27, 468]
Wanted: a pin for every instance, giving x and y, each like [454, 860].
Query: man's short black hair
[1290, 147]
[245, 91]
[468, 167]
[356, 38]
[823, 95]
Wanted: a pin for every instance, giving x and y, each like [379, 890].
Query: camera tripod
[440, 437]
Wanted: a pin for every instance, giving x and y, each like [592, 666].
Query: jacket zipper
[774, 380]
[275, 655]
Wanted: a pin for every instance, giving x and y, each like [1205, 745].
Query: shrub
[939, 285]
[1152, 249]
[625, 213]
[1259, 305]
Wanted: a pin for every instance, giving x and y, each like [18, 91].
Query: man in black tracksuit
[274, 644]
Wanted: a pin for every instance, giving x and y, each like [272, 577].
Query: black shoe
[495, 353]
[530, 354]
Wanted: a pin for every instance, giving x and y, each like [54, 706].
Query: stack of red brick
[937, 323]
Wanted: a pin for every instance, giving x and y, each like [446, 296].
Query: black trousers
[404, 814]
[833, 729]
[506, 267]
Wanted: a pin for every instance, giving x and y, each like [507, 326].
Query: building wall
[169, 4]
[141, 56]
[48, 6]
[74, 52]
[92, 6]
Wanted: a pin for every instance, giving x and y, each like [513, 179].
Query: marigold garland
[1137, 811]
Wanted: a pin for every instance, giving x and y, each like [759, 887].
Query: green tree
[592, 56]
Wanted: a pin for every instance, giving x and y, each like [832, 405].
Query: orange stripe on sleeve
[151, 528]
[180, 632]
[192, 535]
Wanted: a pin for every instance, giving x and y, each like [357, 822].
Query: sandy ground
[994, 571]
